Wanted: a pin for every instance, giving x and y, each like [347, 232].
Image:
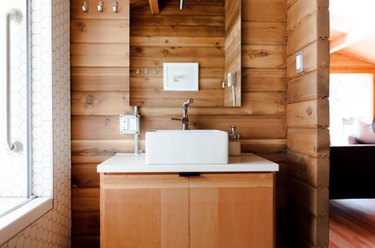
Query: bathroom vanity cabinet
[187, 209]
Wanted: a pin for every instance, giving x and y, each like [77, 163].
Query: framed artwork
[181, 76]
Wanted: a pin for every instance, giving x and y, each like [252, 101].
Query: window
[15, 147]
[351, 99]
[26, 176]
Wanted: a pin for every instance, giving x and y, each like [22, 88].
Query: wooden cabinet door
[144, 211]
[232, 210]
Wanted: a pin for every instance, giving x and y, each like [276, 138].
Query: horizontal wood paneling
[315, 57]
[97, 31]
[87, 127]
[312, 230]
[308, 30]
[263, 56]
[307, 121]
[100, 84]
[93, 13]
[311, 170]
[309, 141]
[313, 85]
[85, 200]
[346, 63]
[315, 199]
[193, 10]
[263, 80]
[84, 175]
[177, 20]
[266, 33]
[100, 79]
[99, 103]
[308, 114]
[99, 55]
[263, 11]
[86, 224]
[170, 40]
[86, 242]
[169, 29]
[302, 10]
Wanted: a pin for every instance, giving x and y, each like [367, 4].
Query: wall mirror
[207, 32]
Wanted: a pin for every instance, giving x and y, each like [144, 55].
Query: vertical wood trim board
[307, 122]
[100, 88]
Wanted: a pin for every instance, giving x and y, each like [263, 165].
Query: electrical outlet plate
[299, 62]
[129, 124]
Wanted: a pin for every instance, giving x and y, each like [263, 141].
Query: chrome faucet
[185, 119]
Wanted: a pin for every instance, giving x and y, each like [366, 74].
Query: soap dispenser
[234, 142]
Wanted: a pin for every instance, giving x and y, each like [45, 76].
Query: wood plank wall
[99, 94]
[195, 34]
[307, 121]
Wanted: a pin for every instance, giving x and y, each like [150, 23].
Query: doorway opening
[352, 151]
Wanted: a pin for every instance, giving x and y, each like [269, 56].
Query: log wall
[307, 122]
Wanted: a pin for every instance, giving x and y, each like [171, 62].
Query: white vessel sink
[187, 147]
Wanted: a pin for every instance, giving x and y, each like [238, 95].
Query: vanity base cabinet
[139, 211]
[167, 210]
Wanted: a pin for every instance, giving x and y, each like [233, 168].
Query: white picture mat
[181, 76]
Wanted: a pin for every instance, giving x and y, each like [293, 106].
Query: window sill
[19, 219]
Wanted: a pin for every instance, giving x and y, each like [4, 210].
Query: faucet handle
[188, 102]
[176, 119]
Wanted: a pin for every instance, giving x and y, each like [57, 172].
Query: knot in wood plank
[258, 54]
[309, 111]
[90, 99]
[81, 26]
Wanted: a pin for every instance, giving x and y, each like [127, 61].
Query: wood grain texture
[313, 171]
[308, 120]
[93, 13]
[301, 10]
[99, 31]
[308, 114]
[352, 223]
[345, 63]
[315, 199]
[316, 56]
[99, 55]
[309, 141]
[232, 96]
[86, 242]
[165, 210]
[151, 210]
[231, 210]
[169, 29]
[311, 230]
[100, 79]
[313, 85]
[154, 6]
[261, 120]
[263, 33]
[259, 10]
[263, 56]
[308, 30]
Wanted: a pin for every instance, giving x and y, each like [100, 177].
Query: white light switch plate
[299, 62]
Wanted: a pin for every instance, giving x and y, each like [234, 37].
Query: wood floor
[352, 223]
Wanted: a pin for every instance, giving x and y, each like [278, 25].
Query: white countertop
[131, 163]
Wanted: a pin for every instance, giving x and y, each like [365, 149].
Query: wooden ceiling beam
[154, 6]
